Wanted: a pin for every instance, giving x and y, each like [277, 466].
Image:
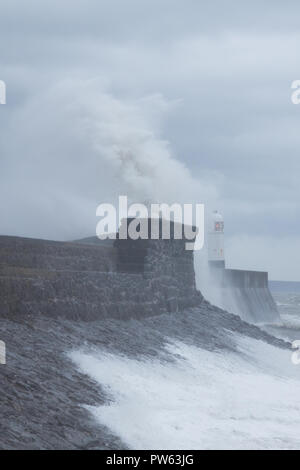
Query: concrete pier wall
[246, 293]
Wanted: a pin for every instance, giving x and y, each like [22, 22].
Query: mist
[79, 146]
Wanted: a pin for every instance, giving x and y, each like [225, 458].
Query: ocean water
[246, 397]
[288, 327]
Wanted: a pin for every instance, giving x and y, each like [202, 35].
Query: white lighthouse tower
[216, 256]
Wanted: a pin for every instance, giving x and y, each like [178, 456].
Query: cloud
[76, 146]
[206, 88]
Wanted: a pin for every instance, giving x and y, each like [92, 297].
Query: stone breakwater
[139, 295]
[126, 279]
[245, 293]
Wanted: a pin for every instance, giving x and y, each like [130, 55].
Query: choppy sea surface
[201, 397]
[288, 304]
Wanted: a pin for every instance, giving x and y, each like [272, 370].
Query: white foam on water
[249, 399]
[280, 304]
[290, 321]
[287, 322]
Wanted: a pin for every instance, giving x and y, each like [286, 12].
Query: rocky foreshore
[43, 394]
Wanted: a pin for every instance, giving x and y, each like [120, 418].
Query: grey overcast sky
[158, 99]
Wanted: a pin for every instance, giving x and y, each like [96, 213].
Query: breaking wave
[244, 398]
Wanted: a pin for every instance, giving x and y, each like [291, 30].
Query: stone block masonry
[129, 279]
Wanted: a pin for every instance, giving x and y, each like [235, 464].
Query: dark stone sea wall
[84, 281]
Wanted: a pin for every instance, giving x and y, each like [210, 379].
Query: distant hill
[284, 286]
[95, 241]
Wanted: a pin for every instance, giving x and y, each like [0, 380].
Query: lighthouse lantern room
[216, 255]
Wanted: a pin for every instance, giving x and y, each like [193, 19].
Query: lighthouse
[216, 256]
